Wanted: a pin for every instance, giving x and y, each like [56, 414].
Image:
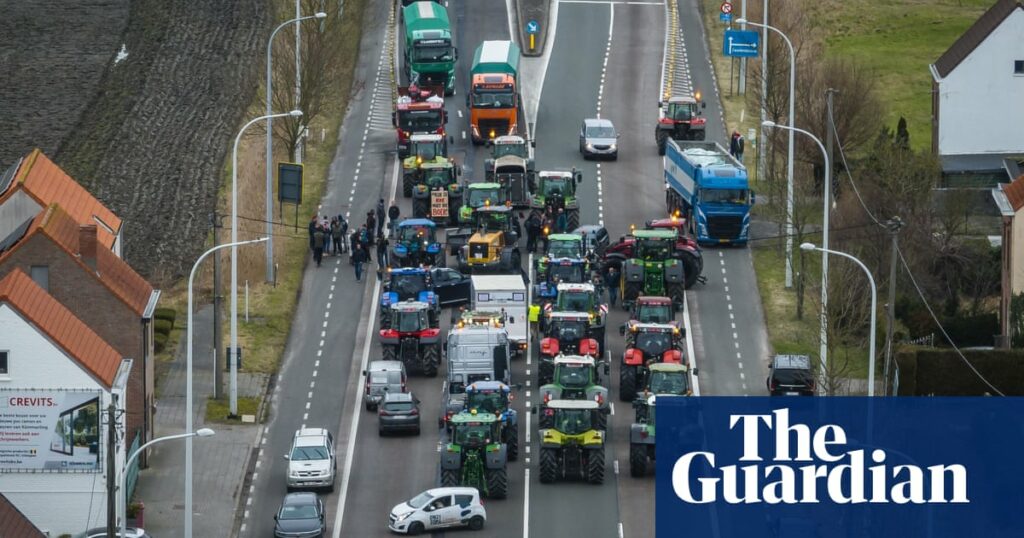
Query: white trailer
[505, 293]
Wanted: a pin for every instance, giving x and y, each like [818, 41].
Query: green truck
[429, 54]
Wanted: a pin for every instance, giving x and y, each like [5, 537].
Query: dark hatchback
[399, 412]
[791, 375]
[301, 515]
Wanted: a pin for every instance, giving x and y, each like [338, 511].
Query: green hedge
[163, 326]
[941, 372]
[159, 341]
[165, 313]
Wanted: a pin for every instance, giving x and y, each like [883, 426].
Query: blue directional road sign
[725, 17]
[741, 43]
[532, 27]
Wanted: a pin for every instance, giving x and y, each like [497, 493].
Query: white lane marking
[528, 428]
[307, 406]
[526, 501]
[460, 112]
[615, 465]
[339, 511]
[600, 97]
[611, 405]
[620, 530]
[689, 343]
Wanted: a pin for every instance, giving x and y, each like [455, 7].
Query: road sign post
[725, 12]
[532, 29]
[741, 43]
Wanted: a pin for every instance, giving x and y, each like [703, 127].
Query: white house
[978, 95]
[57, 381]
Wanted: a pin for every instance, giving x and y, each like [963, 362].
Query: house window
[4, 370]
[41, 276]
[1018, 67]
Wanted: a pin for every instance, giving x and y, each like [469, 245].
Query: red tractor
[651, 309]
[564, 333]
[418, 110]
[647, 344]
[686, 249]
[412, 338]
[680, 120]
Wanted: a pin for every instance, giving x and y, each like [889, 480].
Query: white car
[312, 462]
[439, 508]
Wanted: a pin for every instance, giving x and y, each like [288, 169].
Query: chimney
[87, 244]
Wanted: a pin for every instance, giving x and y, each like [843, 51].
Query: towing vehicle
[475, 456]
[686, 248]
[408, 284]
[552, 272]
[428, 54]
[647, 344]
[493, 99]
[412, 339]
[416, 244]
[652, 309]
[479, 195]
[418, 110]
[653, 270]
[680, 120]
[423, 148]
[573, 447]
[641, 437]
[576, 377]
[511, 166]
[709, 187]
[556, 191]
[563, 332]
[436, 193]
[490, 397]
[494, 244]
[582, 298]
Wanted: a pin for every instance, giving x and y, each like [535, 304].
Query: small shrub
[163, 326]
[159, 341]
[973, 331]
[165, 313]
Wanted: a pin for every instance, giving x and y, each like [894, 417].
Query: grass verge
[218, 409]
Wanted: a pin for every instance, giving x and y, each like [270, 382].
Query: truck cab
[429, 54]
[493, 99]
[476, 352]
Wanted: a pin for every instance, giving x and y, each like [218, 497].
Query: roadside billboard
[49, 430]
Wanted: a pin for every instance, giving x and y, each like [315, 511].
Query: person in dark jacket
[358, 259]
[365, 241]
[393, 213]
[371, 225]
[611, 281]
[353, 242]
[380, 216]
[382, 251]
[319, 237]
[533, 226]
[312, 229]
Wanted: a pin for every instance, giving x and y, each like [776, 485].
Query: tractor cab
[564, 246]
[653, 310]
[473, 429]
[654, 245]
[669, 378]
[481, 195]
[427, 147]
[416, 243]
[509, 145]
[489, 397]
[411, 317]
[680, 120]
[682, 109]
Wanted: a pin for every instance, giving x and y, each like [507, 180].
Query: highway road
[603, 57]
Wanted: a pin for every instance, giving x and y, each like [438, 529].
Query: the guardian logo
[811, 467]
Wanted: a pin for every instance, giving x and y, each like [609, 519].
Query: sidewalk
[219, 462]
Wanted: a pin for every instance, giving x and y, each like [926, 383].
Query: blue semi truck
[710, 187]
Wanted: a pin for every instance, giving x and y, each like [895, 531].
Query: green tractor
[437, 194]
[557, 191]
[475, 456]
[576, 377]
[423, 148]
[653, 270]
[641, 438]
[479, 195]
[573, 447]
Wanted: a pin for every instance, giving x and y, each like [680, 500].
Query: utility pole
[831, 125]
[894, 224]
[218, 337]
[762, 147]
[112, 467]
[298, 78]
[743, 61]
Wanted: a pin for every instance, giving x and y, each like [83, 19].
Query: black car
[791, 375]
[301, 514]
[451, 286]
[399, 412]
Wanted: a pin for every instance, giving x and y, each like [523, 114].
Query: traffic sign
[726, 7]
[532, 27]
[741, 43]
[725, 17]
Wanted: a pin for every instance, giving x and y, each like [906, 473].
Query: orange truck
[493, 100]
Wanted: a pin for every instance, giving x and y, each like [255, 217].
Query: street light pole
[202, 432]
[188, 362]
[234, 253]
[823, 350]
[789, 158]
[874, 310]
[269, 217]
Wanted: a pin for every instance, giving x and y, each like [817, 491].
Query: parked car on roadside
[399, 412]
[300, 515]
[312, 461]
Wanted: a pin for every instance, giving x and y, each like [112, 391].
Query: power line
[941, 328]
[846, 166]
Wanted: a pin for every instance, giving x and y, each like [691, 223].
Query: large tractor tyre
[548, 465]
[449, 478]
[627, 383]
[512, 442]
[385, 320]
[699, 135]
[420, 208]
[415, 528]
[637, 461]
[662, 138]
[676, 292]
[692, 267]
[407, 186]
[497, 483]
[545, 422]
[431, 360]
[630, 292]
[595, 466]
[572, 220]
[601, 421]
[390, 353]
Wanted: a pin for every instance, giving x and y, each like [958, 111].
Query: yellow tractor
[494, 243]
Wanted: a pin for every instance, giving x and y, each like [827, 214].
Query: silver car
[312, 461]
[383, 377]
[599, 139]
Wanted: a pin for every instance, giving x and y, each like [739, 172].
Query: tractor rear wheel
[627, 383]
[512, 441]
[420, 207]
[601, 421]
[662, 138]
[630, 292]
[407, 186]
[637, 461]
[572, 220]
[390, 353]
[677, 292]
[595, 466]
[497, 483]
[545, 371]
[449, 478]
[431, 360]
[548, 465]
[385, 320]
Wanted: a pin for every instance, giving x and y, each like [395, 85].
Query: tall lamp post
[188, 366]
[270, 132]
[789, 159]
[824, 231]
[201, 432]
[874, 300]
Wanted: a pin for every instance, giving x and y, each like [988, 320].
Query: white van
[506, 294]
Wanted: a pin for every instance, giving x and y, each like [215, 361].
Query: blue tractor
[489, 397]
[405, 284]
[554, 271]
[416, 244]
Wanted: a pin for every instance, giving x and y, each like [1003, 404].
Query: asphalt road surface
[603, 57]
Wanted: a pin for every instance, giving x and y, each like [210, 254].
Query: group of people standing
[330, 235]
[555, 220]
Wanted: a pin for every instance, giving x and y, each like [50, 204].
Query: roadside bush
[163, 326]
[159, 341]
[968, 331]
[169, 314]
[941, 372]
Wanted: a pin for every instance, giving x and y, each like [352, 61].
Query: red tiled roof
[14, 524]
[62, 327]
[44, 181]
[975, 35]
[111, 271]
[1015, 193]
